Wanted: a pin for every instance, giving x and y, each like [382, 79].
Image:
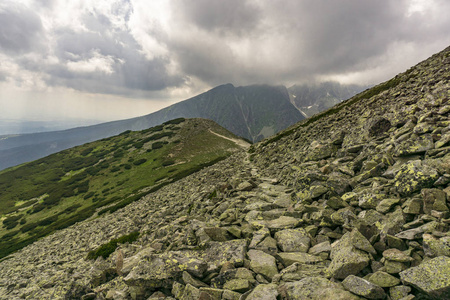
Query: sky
[115, 59]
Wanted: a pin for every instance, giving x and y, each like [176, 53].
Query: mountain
[253, 112]
[352, 203]
[311, 99]
[69, 186]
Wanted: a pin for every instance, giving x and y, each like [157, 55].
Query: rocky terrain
[352, 203]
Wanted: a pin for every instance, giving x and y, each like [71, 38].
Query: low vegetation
[57, 191]
[105, 250]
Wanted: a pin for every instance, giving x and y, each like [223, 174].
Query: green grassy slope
[56, 191]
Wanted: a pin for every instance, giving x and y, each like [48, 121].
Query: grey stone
[362, 287]
[431, 276]
[288, 258]
[264, 292]
[314, 288]
[293, 240]
[262, 263]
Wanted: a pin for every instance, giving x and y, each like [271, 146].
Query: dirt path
[239, 142]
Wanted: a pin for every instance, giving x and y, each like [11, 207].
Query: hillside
[352, 203]
[54, 192]
[311, 99]
[253, 112]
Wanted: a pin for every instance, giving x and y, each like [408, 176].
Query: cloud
[96, 63]
[140, 48]
[21, 29]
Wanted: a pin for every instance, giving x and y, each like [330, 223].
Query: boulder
[364, 288]
[436, 246]
[434, 199]
[383, 279]
[264, 292]
[431, 277]
[414, 176]
[314, 288]
[288, 258]
[263, 263]
[293, 240]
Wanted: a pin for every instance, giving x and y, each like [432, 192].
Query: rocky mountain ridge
[352, 203]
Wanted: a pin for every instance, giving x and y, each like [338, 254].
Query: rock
[190, 292]
[320, 151]
[316, 191]
[410, 234]
[445, 139]
[264, 292]
[258, 237]
[415, 145]
[434, 199]
[209, 294]
[262, 263]
[362, 287]
[237, 285]
[399, 292]
[188, 279]
[283, 222]
[385, 205]
[396, 255]
[431, 276]
[348, 255]
[436, 247]
[268, 245]
[151, 274]
[320, 248]
[217, 234]
[414, 176]
[230, 295]
[395, 267]
[245, 186]
[347, 261]
[219, 253]
[383, 279]
[412, 206]
[287, 258]
[293, 240]
[314, 288]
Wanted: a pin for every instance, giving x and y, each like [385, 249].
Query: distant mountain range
[311, 99]
[253, 112]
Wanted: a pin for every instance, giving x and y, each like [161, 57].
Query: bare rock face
[350, 204]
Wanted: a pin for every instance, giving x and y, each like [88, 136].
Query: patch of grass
[105, 250]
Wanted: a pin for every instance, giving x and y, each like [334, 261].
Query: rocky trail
[352, 204]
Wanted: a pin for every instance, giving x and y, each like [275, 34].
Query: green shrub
[127, 166]
[139, 161]
[115, 169]
[89, 195]
[47, 221]
[157, 145]
[86, 151]
[168, 162]
[105, 250]
[12, 221]
[175, 121]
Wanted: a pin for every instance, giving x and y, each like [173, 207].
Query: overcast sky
[113, 59]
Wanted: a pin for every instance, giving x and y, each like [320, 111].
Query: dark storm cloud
[231, 16]
[20, 29]
[309, 38]
[112, 47]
